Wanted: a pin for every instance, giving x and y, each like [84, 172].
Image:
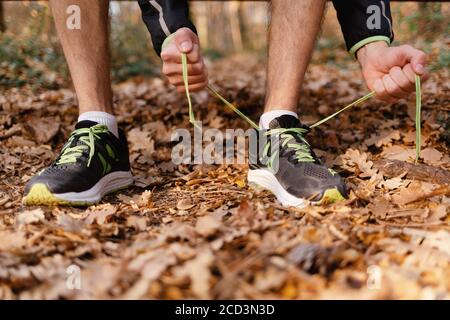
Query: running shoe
[288, 167]
[92, 163]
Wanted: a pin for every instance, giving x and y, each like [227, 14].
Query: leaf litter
[198, 231]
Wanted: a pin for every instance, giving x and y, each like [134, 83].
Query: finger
[170, 69]
[185, 40]
[381, 91]
[409, 73]
[194, 56]
[418, 62]
[424, 77]
[172, 55]
[178, 80]
[401, 79]
[198, 87]
[194, 87]
[401, 55]
[392, 88]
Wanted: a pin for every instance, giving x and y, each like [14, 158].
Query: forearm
[164, 17]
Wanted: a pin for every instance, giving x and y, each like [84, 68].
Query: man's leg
[87, 54]
[289, 168]
[293, 31]
[95, 160]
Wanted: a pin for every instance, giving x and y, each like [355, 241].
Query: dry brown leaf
[245, 212]
[199, 272]
[138, 223]
[207, 225]
[151, 265]
[99, 214]
[399, 153]
[139, 140]
[414, 191]
[138, 201]
[12, 240]
[383, 138]
[43, 129]
[185, 204]
[70, 224]
[30, 216]
[394, 183]
[431, 156]
[355, 161]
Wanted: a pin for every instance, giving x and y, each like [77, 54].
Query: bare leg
[87, 52]
[294, 28]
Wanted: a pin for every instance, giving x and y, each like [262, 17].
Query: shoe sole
[267, 180]
[40, 194]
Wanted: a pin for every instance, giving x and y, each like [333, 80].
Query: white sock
[268, 116]
[101, 117]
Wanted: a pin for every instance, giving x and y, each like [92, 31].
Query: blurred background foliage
[30, 52]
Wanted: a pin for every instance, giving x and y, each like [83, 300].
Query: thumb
[418, 63]
[402, 55]
[185, 39]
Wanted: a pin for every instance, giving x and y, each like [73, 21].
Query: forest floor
[199, 231]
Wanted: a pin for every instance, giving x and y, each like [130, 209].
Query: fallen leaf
[185, 204]
[198, 270]
[99, 214]
[383, 138]
[431, 156]
[43, 129]
[139, 140]
[207, 225]
[245, 212]
[30, 216]
[399, 153]
[356, 161]
[138, 223]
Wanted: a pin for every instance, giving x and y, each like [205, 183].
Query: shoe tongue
[85, 124]
[285, 121]
[79, 125]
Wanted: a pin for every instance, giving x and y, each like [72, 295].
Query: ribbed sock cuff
[101, 117]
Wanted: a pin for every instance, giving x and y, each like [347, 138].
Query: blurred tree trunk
[431, 19]
[236, 35]
[2, 18]
[202, 24]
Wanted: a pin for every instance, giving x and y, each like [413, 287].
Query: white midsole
[267, 180]
[110, 182]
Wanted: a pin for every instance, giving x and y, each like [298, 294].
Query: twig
[423, 172]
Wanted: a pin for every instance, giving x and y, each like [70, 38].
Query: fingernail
[419, 68]
[185, 46]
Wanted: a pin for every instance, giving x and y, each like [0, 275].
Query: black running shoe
[92, 163]
[290, 169]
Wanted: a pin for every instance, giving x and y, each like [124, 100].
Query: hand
[185, 41]
[390, 71]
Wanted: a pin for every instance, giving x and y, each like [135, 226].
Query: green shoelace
[71, 154]
[301, 153]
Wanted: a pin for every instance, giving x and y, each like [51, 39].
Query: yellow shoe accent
[331, 196]
[40, 195]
